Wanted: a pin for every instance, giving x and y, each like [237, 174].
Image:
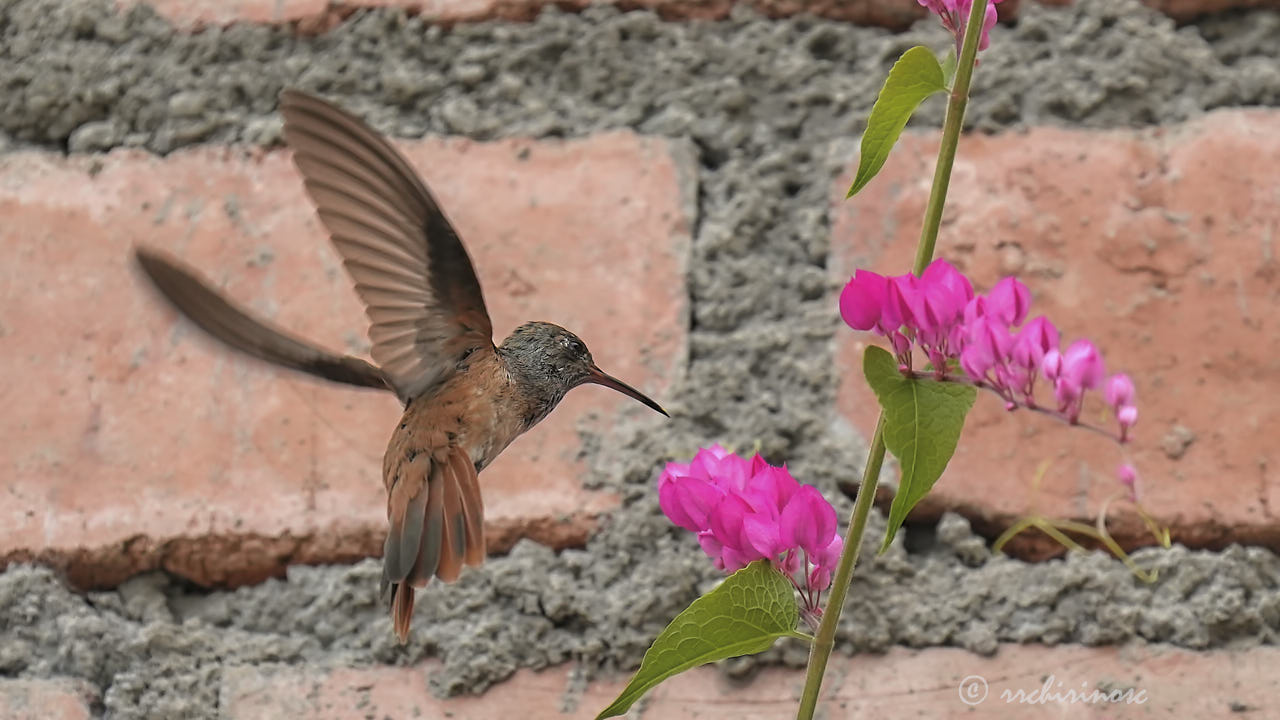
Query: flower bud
[1119, 391]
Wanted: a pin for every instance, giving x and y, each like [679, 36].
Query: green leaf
[949, 67]
[922, 424]
[743, 615]
[915, 76]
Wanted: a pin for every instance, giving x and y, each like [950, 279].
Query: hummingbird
[465, 399]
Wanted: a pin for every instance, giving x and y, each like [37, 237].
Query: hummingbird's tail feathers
[471, 507]
[219, 317]
[437, 526]
[454, 532]
[402, 610]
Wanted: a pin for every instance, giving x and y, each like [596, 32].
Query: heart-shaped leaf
[922, 424]
[743, 615]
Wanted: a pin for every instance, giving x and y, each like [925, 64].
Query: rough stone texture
[762, 102]
[158, 648]
[1146, 680]
[143, 444]
[47, 699]
[1160, 247]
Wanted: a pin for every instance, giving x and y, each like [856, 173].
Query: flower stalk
[824, 639]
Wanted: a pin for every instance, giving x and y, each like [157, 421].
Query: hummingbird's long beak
[600, 377]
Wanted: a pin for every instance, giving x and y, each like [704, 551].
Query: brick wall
[180, 493]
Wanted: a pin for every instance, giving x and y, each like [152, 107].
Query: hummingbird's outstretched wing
[219, 317]
[425, 308]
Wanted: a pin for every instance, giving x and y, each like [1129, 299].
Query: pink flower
[1128, 477]
[955, 16]
[745, 510]
[939, 315]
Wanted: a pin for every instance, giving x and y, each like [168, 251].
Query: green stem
[951, 127]
[825, 639]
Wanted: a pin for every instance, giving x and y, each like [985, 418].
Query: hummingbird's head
[550, 361]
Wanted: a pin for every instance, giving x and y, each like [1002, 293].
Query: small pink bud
[1128, 477]
[1127, 416]
[1119, 391]
[901, 345]
[820, 578]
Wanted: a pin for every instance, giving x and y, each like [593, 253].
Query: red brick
[1157, 245]
[135, 442]
[1189, 9]
[321, 15]
[900, 684]
[46, 699]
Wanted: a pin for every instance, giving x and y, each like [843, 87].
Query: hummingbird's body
[465, 399]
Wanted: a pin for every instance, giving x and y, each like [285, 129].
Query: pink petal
[726, 522]
[762, 534]
[710, 545]
[905, 300]
[819, 579]
[830, 555]
[720, 467]
[671, 506]
[1036, 338]
[976, 361]
[1051, 366]
[1009, 300]
[808, 521]
[862, 300]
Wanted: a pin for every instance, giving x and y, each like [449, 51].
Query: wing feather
[212, 312]
[400, 250]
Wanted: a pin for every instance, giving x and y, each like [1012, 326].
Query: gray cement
[763, 101]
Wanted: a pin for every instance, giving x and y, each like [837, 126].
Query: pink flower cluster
[955, 16]
[744, 510]
[939, 313]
